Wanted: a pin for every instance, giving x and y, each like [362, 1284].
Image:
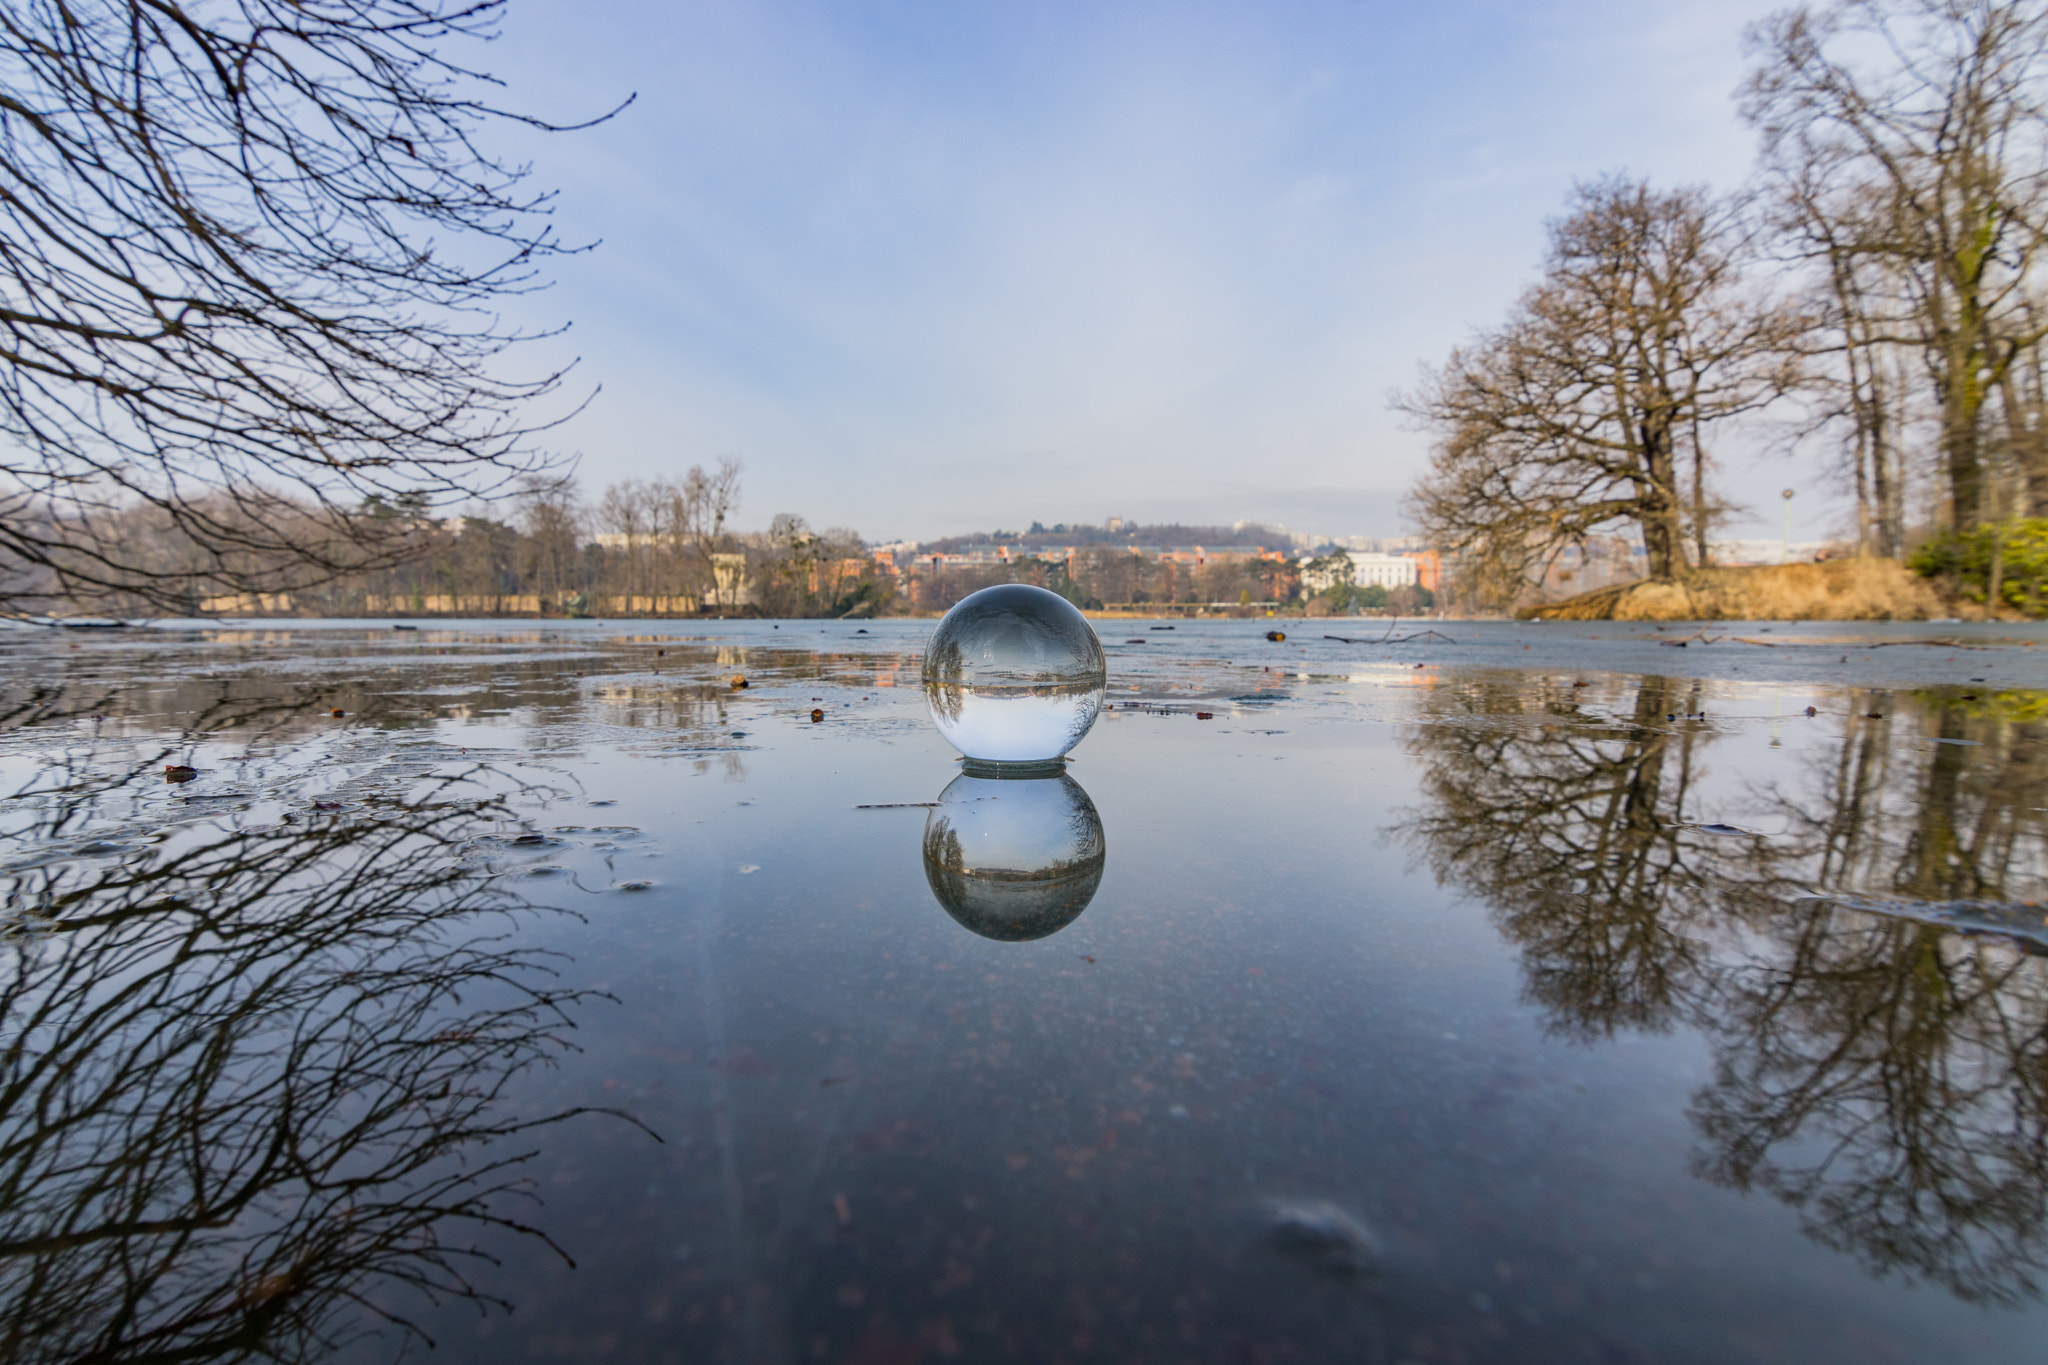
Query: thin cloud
[917, 265]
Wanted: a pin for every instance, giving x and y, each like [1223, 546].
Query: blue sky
[937, 265]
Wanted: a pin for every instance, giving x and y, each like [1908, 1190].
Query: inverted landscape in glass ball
[1012, 857]
[1014, 674]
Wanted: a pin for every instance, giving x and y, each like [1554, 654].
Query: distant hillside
[1169, 533]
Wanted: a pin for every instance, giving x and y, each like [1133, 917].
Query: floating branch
[1392, 639]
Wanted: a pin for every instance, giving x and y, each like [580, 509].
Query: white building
[899, 549]
[1388, 571]
[1360, 569]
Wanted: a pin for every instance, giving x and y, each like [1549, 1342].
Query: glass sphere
[1014, 857]
[1014, 674]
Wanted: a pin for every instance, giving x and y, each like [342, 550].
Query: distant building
[1383, 570]
[1197, 556]
[916, 564]
[731, 584]
[1429, 568]
[1363, 569]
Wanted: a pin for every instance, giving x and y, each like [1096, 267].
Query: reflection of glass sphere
[1011, 857]
[1014, 674]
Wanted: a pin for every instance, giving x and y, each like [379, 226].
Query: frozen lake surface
[1546, 993]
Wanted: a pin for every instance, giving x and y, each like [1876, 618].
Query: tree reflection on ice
[1885, 1076]
[250, 1087]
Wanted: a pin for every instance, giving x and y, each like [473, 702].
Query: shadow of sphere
[1014, 858]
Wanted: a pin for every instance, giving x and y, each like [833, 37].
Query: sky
[933, 266]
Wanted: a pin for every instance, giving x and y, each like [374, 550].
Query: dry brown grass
[1837, 590]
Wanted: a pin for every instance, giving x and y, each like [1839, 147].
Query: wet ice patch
[2025, 924]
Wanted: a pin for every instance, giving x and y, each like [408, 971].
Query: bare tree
[1918, 127]
[1583, 409]
[662, 537]
[552, 521]
[247, 250]
[703, 505]
[1854, 382]
[626, 514]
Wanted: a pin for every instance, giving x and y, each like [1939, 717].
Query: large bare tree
[1585, 409]
[1909, 139]
[251, 253]
[1859, 382]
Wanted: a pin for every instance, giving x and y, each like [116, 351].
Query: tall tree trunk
[1894, 458]
[1864, 407]
[1962, 403]
[1968, 368]
[1958, 446]
[1699, 496]
[1888, 539]
[2030, 438]
[1995, 582]
[1662, 516]
[1866, 519]
[1663, 534]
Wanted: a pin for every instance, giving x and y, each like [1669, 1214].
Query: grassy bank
[1837, 590]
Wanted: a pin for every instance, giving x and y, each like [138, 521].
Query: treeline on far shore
[549, 559]
[662, 549]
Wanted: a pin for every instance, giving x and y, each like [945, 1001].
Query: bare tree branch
[250, 249]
